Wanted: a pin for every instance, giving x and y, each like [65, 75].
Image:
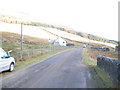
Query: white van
[6, 61]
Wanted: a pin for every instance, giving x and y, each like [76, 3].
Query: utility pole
[49, 40]
[89, 40]
[21, 41]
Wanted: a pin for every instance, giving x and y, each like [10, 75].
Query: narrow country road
[63, 70]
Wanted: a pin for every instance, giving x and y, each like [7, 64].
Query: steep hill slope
[27, 30]
[42, 30]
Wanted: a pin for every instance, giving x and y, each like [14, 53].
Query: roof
[59, 39]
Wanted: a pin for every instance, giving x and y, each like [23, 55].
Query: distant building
[60, 42]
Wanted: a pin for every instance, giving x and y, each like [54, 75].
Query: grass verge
[29, 61]
[102, 79]
[22, 64]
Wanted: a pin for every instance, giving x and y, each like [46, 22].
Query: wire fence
[32, 52]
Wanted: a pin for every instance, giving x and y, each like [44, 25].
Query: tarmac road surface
[63, 70]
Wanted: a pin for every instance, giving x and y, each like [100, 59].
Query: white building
[59, 42]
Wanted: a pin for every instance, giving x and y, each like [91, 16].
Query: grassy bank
[99, 75]
[29, 61]
[94, 53]
[31, 46]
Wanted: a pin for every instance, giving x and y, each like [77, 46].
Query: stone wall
[117, 48]
[111, 66]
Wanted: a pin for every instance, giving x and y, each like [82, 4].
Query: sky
[97, 17]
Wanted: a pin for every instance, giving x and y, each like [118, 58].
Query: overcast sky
[98, 17]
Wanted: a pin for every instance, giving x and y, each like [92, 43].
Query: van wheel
[11, 67]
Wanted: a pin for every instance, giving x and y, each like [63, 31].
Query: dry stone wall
[111, 66]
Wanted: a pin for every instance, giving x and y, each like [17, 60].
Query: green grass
[102, 79]
[87, 60]
[11, 42]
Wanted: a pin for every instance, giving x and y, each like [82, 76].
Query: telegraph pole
[21, 41]
[1, 40]
[49, 40]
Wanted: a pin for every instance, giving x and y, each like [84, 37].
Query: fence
[32, 52]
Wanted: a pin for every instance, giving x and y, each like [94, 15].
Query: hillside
[11, 41]
[42, 30]
[27, 30]
[32, 46]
